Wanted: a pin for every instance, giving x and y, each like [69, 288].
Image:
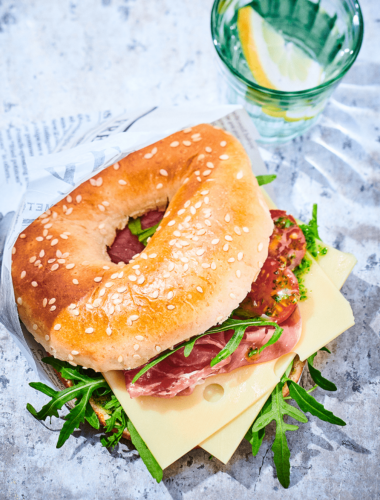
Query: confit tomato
[275, 292]
[287, 243]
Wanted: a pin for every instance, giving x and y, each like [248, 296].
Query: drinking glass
[328, 31]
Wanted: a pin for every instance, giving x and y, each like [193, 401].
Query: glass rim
[285, 93]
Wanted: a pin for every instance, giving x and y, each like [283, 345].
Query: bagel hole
[126, 244]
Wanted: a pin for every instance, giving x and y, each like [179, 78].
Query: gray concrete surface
[61, 57]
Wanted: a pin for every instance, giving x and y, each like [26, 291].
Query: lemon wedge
[274, 62]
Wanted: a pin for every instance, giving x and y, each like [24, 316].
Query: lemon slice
[274, 62]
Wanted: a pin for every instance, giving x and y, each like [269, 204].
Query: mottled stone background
[59, 57]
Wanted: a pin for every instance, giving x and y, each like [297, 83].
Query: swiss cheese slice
[325, 315]
[172, 427]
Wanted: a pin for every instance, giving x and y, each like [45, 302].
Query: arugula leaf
[311, 234]
[317, 376]
[278, 409]
[324, 349]
[118, 421]
[66, 370]
[274, 338]
[300, 272]
[147, 233]
[151, 463]
[256, 438]
[229, 324]
[265, 179]
[134, 225]
[230, 347]
[91, 416]
[308, 403]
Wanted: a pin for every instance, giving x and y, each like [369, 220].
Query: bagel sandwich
[168, 267]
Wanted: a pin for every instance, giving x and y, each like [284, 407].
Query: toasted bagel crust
[196, 269]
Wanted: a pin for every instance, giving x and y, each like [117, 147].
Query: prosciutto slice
[178, 376]
[126, 244]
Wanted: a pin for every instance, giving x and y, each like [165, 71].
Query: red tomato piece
[275, 293]
[287, 243]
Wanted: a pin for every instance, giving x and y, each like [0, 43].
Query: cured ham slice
[126, 244]
[178, 376]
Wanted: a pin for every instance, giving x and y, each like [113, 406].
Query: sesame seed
[136, 347]
[35, 327]
[58, 253]
[199, 179]
[23, 235]
[98, 279]
[155, 294]
[47, 337]
[45, 232]
[240, 255]
[215, 241]
[34, 283]
[187, 130]
[245, 229]
[205, 265]
[102, 292]
[260, 247]
[227, 218]
[97, 302]
[223, 144]
[170, 307]
[208, 149]
[228, 237]
[195, 136]
[209, 164]
[226, 247]
[32, 259]
[207, 222]
[101, 208]
[200, 252]
[78, 198]
[120, 358]
[105, 203]
[239, 175]
[49, 237]
[39, 238]
[122, 289]
[113, 276]
[54, 242]
[163, 172]
[201, 232]
[141, 280]
[219, 318]
[144, 256]
[48, 226]
[213, 265]
[44, 302]
[76, 282]
[177, 233]
[184, 259]
[231, 259]
[111, 310]
[148, 156]
[206, 173]
[188, 218]
[152, 255]
[19, 301]
[200, 290]
[117, 301]
[233, 296]
[223, 157]
[200, 157]
[186, 143]
[89, 306]
[193, 211]
[171, 266]
[186, 267]
[170, 295]
[54, 267]
[132, 277]
[121, 274]
[139, 337]
[260, 265]
[23, 274]
[238, 273]
[174, 144]
[108, 331]
[69, 211]
[171, 223]
[57, 327]
[158, 348]
[70, 266]
[89, 330]
[159, 186]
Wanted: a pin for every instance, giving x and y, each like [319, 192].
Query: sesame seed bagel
[195, 270]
